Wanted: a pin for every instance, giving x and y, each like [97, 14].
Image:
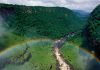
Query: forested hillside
[94, 29]
[52, 22]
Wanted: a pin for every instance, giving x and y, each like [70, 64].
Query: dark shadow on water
[93, 65]
[90, 44]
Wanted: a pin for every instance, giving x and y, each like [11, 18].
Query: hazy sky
[86, 5]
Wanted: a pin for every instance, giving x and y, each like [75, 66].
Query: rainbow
[23, 43]
[29, 41]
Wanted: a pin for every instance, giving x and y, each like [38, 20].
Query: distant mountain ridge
[81, 13]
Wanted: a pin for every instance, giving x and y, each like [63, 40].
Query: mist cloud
[86, 5]
[2, 27]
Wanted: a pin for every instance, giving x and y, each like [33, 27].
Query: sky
[85, 5]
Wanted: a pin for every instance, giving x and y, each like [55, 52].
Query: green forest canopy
[52, 22]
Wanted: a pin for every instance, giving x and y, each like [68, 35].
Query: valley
[41, 38]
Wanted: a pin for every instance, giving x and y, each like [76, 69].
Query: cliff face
[94, 30]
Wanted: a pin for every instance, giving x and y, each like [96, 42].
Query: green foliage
[52, 22]
[9, 40]
[94, 23]
[75, 56]
[21, 57]
[77, 39]
[41, 56]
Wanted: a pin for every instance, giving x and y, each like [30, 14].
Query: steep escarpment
[94, 30]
